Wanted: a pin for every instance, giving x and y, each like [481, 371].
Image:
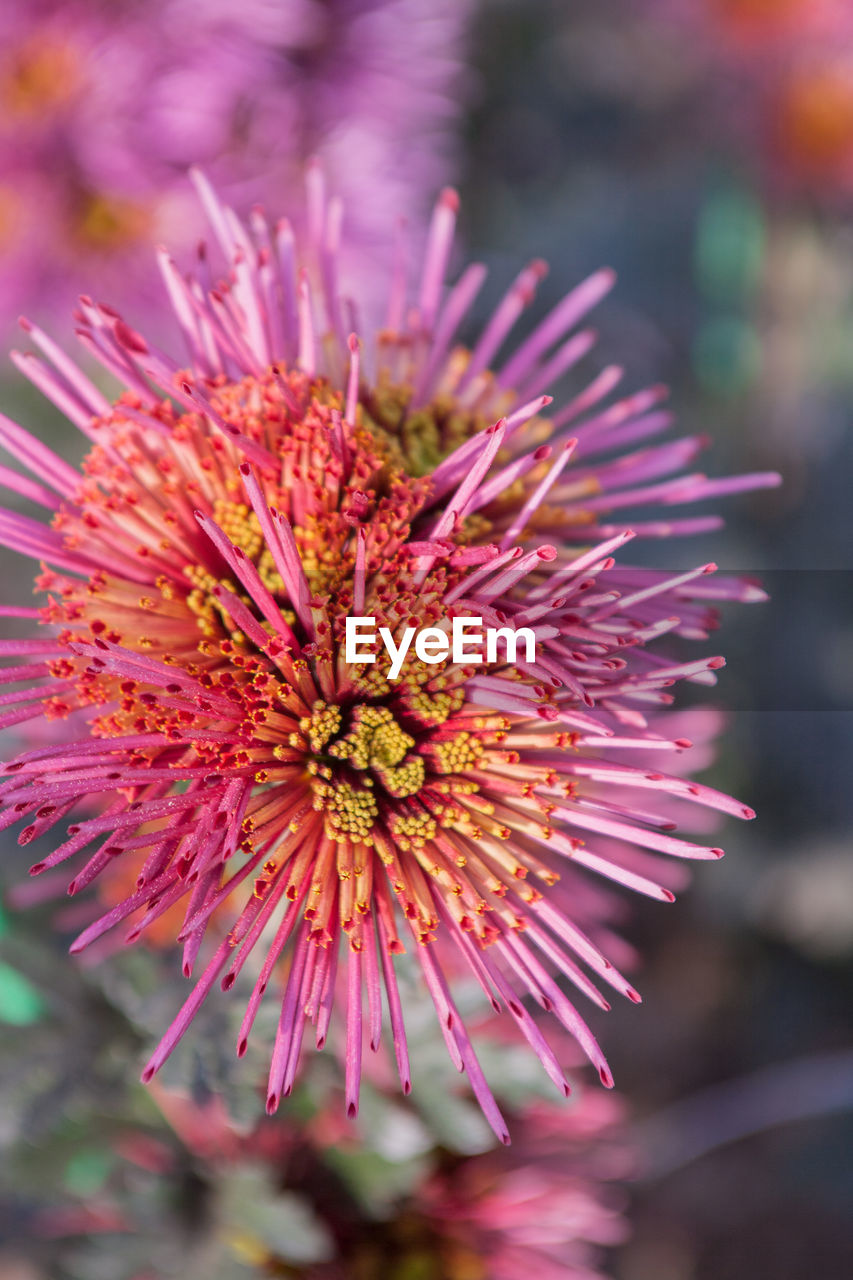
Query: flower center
[41, 75]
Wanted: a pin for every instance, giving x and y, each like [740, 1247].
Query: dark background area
[595, 141]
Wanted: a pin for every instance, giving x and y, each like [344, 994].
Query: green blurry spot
[727, 355]
[4, 922]
[87, 1171]
[20, 1003]
[729, 246]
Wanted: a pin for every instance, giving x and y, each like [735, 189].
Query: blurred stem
[818, 1085]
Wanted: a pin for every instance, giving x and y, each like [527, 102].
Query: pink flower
[549, 1203]
[103, 107]
[544, 1207]
[781, 72]
[233, 512]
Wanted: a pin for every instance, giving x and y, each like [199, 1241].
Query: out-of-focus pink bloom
[781, 73]
[233, 512]
[104, 106]
[549, 1204]
[542, 1208]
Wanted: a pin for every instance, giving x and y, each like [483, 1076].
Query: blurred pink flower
[104, 106]
[542, 1208]
[781, 75]
[551, 1203]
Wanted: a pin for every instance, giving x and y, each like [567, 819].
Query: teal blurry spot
[86, 1171]
[20, 1003]
[727, 355]
[730, 239]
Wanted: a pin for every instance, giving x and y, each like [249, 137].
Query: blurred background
[704, 149]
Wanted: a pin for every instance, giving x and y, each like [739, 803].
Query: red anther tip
[668, 895]
[449, 199]
[710, 567]
[352, 1110]
[148, 1074]
[272, 1104]
[25, 324]
[353, 343]
[747, 813]
[684, 743]
[605, 1077]
[129, 337]
[716, 663]
[242, 1047]
[245, 469]
[719, 853]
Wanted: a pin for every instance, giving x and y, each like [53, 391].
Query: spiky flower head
[231, 515]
